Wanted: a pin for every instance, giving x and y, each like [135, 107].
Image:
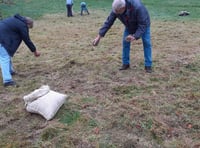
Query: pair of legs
[146, 40]
[69, 10]
[6, 65]
[84, 8]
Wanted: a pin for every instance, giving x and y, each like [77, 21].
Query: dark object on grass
[184, 13]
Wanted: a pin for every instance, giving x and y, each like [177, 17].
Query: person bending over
[135, 17]
[13, 30]
[84, 8]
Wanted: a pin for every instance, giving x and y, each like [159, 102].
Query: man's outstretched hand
[96, 40]
[37, 54]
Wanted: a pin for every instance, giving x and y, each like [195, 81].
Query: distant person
[69, 5]
[84, 8]
[13, 31]
[136, 20]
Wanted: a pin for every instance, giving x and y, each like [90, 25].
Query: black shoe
[13, 73]
[125, 67]
[148, 69]
[11, 83]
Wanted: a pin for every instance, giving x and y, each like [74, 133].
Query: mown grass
[37, 8]
[167, 10]
[107, 108]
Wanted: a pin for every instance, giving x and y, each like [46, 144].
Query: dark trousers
[69, 10]
[84, 8]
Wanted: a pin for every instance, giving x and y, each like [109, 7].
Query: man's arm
[103, 30]
[107, 24]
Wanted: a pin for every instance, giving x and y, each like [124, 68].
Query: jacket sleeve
[26, 38]
[107, 24]
[143, 22]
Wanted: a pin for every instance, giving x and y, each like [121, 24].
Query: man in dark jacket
[12, 31]
[136, 19]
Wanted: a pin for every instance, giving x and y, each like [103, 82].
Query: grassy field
[106, 108]
[159, 9]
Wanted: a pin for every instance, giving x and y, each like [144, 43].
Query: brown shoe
[148, 69]
[125, 67]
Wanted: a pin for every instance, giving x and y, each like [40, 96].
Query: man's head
[29, 22]
[119, 6]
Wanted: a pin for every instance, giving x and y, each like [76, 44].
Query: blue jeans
[6, 65]
[146, 40]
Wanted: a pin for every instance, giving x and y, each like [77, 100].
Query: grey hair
[117, 4]
[29, 22]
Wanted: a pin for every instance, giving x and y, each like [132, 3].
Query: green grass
[37, 8]
[167, 10]
[33, 8]
[68, 115]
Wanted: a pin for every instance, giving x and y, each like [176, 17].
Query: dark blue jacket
[135, 18]
[12, 31]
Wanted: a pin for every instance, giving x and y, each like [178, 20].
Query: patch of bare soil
[117, 108]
